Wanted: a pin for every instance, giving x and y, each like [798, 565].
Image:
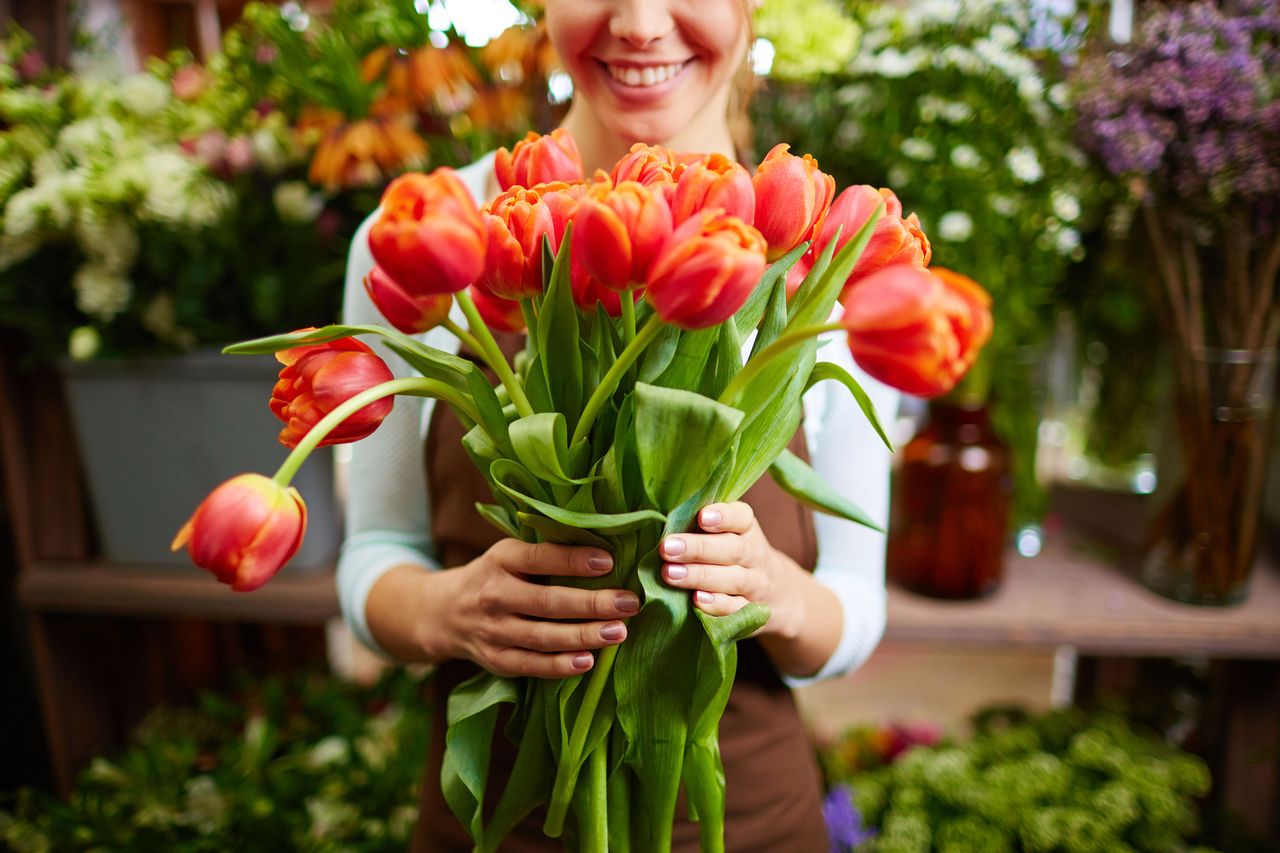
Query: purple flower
[844, 821]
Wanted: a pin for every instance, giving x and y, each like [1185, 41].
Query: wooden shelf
[1065, 596]
[102, 588]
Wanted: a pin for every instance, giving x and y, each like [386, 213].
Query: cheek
[573, 27]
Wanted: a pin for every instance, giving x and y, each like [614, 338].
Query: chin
[651, 131]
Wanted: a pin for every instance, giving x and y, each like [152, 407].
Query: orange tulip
[894, 240]
[498, 313]
[408, 312]
[792, 197]
[539, 160]
[318, 378]
[915, 329]
[587, 290]
[714, 181]
[515, 223]
[706, 270]
[651, 165]
[429, 236]
[619, 231]
[362, 152]
[245, 530]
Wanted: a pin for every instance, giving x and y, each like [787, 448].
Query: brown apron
[773, 793]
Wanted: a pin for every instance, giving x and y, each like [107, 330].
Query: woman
[654, 71]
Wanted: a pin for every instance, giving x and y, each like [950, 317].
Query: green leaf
[798, 479]
[472, 716]
[289, 340]
[775, 317]
[558, 337]
[531, 776]
[536, 388]
[829, 370]
[748, 316]
[541, 445]
[689, 360]
[680, 439]
[505, 470]
[660, 353]
[499, 517]
[562, 534]
[725, 364]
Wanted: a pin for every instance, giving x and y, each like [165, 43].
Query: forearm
[803, 633]
[407, 611]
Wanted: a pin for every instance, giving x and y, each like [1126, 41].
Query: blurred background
[1084, 616]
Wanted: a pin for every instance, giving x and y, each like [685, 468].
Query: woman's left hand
[732, 564]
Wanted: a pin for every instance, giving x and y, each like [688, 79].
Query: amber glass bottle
[949, 520]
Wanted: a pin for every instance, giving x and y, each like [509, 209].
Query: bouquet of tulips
[630, 408]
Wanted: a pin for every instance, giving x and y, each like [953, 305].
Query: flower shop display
[638, 290]
[1186, 116]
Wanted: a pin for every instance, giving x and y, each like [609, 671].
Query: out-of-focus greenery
[1062, 781]
[308, 763]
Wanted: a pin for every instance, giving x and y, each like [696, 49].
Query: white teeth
[650, 75]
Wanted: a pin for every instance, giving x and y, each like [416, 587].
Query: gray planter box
[157, 435]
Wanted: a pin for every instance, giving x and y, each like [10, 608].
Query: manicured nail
[702, 596]
[583, 661]
[710, 517]
[626, 602]
[612, 631]
[676, 572]
[600, 562]
[673, 547]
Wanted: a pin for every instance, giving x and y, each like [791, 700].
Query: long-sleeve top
[388, 514]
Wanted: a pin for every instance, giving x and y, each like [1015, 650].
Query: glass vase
[1204, 539]
[949, 518]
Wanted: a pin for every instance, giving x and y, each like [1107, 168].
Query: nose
[640, 23]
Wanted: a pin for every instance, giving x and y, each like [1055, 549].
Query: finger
[550, 601]
[733, 580]
[734, 517]
[522, 662]
[540, 635]
[723, 549]
[717, 603]
[546, 558]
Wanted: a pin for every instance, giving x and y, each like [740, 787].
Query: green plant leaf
[829, 370]
[660, 353]
[472, 716]
[541, 445]
[775, 317]
[305, 337]
[505, 470]
[562, 534]
[559, 336]
[749, 315]
[530, 781]
[798, 479]
[499, 517]
[689, 360]
[680, 439]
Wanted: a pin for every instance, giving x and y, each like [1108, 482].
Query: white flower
[83, 343]
[90, 137]
[159, 318]
[1065, 206]
[206, 807]
[107, 239]
[898, 176]
[143, 95]
[330, 750]
[1030, 88]
[295, 203]
[961, 58]
[1024, 163]
[955, 225]
[966, 157]
[956, 112]
[1003, 204]
[1004, 35]
[893, 63]
[100, 292]
[849, 133]
[917, 148]
[268, 151]
[941, 11]
[1060, 95]
[1067, 241]
[853, 94]
[22, 213]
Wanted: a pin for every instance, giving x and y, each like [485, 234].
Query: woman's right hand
[493, 613]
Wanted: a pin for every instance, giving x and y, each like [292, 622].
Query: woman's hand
[732, 564]
[490, 611]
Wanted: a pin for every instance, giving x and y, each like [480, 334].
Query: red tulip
[245, 530]
[429, 236]
[894, 240]
[515, 224]
[409, 313]
[539, 160]
[915, 329]
[714, 181]
[587, 290]
[498, 313]
[619, 231]
[706, 270]
[651, 165]
[318, 378]
[792, 197]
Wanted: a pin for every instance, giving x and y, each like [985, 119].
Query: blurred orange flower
[363, 152]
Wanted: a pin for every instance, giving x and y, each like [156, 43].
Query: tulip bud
[429, 236]
[651, 165]
[539, 160]
[915, 329]
[792, 197]
[318, 378]
[245, 530]
[618, 232]
[706, 270]
[516, 222]
[498, 313]
[408, 313]
[714, 181]
[587, 290]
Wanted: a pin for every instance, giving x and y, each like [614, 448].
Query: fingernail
[673, 547]
[702, 596]
[600, 562]
[626, 602]
[612, 631]
[676, 572]
[710, 517]
[583, 661]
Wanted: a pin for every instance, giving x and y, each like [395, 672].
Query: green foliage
[308, 763]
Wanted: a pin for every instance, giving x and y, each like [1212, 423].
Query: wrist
[787, 611]
[434, 598]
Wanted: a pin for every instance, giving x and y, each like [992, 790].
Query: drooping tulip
[706, 270]
[318, 378]
[245, 530]
[515, 223]
[498, 313]
[409, 313]
[714, 181]
[429, 236]
[915, 329]
[618, 232]
[539, 159]
[792, 197]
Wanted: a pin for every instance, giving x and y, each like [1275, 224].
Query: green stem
[609, 383]
[628, 317]
[530, 311]
[571, 758]
[493, 355]
[593, 828]
[463, 335]
[415, 386]
[784, 342]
